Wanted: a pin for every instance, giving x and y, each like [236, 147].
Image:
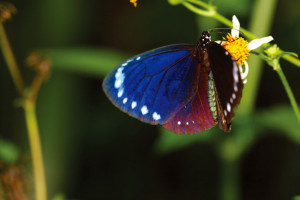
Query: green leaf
[94, 62]
[296, 198]
[282, 119]
[175, 2]
[59, 197]
[8, 152]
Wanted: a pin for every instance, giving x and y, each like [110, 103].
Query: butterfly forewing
[154, 85]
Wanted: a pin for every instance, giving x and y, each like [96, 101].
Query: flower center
[237, 47]
[134, 2]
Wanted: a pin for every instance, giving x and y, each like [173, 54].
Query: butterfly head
[204, 39]
[201, 49]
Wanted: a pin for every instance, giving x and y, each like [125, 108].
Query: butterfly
[185, 88]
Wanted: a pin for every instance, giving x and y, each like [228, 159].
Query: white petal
[219, 42]
[258, 42]
[244, 73]
[236, 27]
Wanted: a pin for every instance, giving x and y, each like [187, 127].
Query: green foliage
[9, 152]
[280, 119]
[89, 61]
[169, 142]
[296, 198]
[175, 2]
[59, 197]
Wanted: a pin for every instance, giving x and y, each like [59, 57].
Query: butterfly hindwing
[154, 85]
[195, 116]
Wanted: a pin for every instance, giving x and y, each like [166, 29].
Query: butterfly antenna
[216, 30]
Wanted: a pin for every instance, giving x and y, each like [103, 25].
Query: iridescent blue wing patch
[155, 85]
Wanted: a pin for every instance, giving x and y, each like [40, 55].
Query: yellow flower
[134, 2]
[239, 48]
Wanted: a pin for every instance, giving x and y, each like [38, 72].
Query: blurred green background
[94, 151]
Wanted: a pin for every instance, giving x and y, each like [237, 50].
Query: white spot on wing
[225, 113]
[228, 107]
[119, 72]
[156, 116]
[144, 110]
[118, 83]
[120, 92]
[124, 100]
[235, 88]
[133, 104]
[235, 73]
[233, 96]
[120, 76]
[179, 122]
[187, 123]
[138, 58]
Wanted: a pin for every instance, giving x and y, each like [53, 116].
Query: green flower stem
[292, 59]
[202, 4]
[228, 22]
[11, 61]
[36, 150]
[260, 23]
[31, 120]
[211, 12]
[208, 13]
[288, 91]
[230, 189]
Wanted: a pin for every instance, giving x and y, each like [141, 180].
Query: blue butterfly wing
[155, 85]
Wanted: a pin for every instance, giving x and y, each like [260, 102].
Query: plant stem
[211, 12]
[31, 121]
[260, 23]
[289, 92]
[292, 59]
[202, 4]
[36, 150]
[230, 180]
[11, 61]
[198, 11]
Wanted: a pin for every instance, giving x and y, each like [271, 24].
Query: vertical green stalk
[289, 92]
[230, 175]
[260, 24]
[36, 150]
[11, 61]
[31, 120]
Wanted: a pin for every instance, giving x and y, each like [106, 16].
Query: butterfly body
[185, 88]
